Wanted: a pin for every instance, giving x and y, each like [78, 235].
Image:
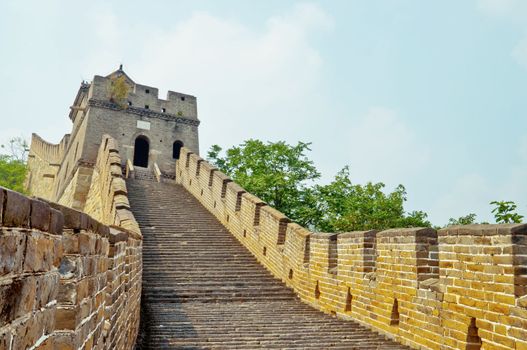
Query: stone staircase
[203, 290]
[145, 174]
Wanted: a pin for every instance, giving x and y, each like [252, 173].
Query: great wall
[112, 255]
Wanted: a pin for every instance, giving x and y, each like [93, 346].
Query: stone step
[203, 290]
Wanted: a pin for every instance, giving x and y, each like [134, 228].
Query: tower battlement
[146, 97]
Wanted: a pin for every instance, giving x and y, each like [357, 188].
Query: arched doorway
[176, 149]
[141, 149]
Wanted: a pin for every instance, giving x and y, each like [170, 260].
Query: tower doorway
[176, 149]
[141, 149]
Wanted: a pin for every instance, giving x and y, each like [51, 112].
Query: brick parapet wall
[107, 198]
[67, 281]
[457, 288]
[43, 164]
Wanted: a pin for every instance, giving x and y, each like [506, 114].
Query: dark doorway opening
[176, 149]
[141, 150]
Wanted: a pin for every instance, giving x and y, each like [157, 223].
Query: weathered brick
[56, 222]
[12, 247]
[17, 209]
[40, 215]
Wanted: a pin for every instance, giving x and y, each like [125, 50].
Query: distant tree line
[283, 176]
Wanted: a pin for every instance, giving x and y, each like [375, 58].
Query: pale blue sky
[430, 94]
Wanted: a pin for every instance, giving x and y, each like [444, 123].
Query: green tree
[351, 207]
[13, 165]
[504, 212]
[278, 173]
[463, 220]
[283, 176]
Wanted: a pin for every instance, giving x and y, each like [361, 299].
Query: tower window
[147, 107]
[129, 103]
[147, 91]
[163, 110]
[182, 98]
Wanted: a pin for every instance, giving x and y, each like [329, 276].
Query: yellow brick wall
[425, 288]
[107, 198]
[67, 281]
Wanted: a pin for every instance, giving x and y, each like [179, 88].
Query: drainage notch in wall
[264, 251]
[290, 274]
[394, 318]
[201, 193]
[473, 339]
[214, 204]
[349, 300]
[317, 291]
[190, 182]
[228, 217]
[244, 233]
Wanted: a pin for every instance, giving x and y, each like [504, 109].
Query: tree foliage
[345, 206]
[119, 90]
[278, 173]
[283, 176]
[468, 219]
[13, 164]
[504, 212]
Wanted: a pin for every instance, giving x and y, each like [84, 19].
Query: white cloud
[472, 193]
[384, 148]
[498, 7]
[522, 149]
[515, 12]
[268, 77]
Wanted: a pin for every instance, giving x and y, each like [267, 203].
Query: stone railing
[107, 198]
[462, 287]
[157, 173]
[67, 281]
[129, 169]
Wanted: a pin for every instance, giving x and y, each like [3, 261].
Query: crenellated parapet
[52, 153]
[463, 287]
[107, 198]
[44, 161]
[145, 98]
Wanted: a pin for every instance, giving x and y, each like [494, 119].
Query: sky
[428, 94]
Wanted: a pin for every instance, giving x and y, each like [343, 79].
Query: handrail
[129, 171]
[157, 172]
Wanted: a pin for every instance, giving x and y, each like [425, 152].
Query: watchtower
[148, 130]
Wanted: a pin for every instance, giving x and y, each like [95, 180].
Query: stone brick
[66, 318]
[40, 253]
[17, 298]
[17, 209]
[12, 248]
[56, 222]
[40, 215]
